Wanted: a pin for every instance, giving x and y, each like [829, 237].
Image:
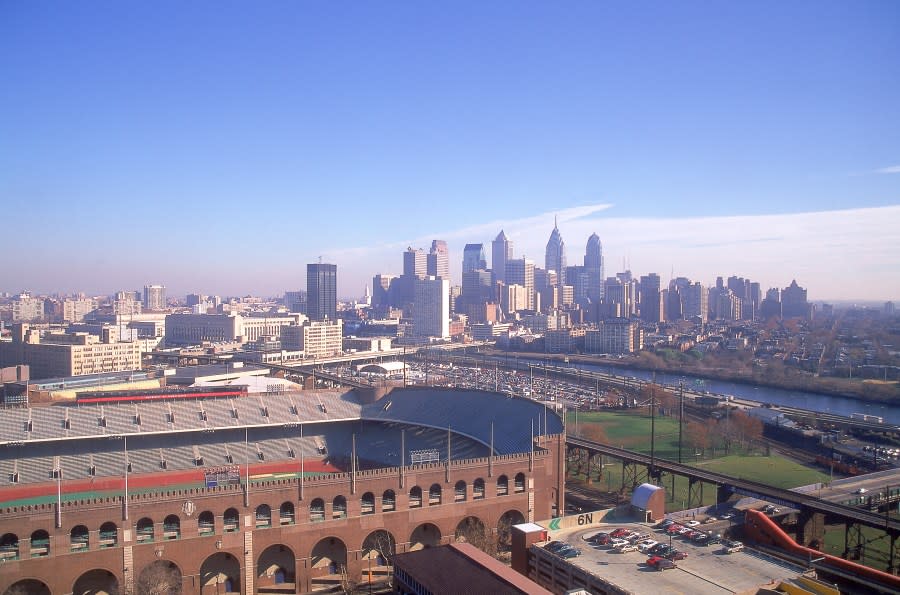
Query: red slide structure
[760, 528]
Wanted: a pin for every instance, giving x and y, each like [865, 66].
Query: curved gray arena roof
[469, 412]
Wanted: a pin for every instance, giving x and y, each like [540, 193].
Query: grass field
[631, 430]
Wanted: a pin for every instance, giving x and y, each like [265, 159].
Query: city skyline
[219, 149]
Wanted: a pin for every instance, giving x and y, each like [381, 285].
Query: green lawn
[771, 470]
[631, 430]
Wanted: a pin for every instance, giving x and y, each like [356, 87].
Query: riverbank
[859, 390]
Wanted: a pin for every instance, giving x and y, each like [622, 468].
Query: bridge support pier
[811, 529]
[892, 555]
[695, 493]
[631, 475]
[853, 541]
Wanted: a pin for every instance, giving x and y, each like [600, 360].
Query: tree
[593, 432]
[698, 436]
[472, 530]
[159, 578]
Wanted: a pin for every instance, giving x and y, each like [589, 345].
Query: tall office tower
[621, 293]
[728, 306]
[477, 287]
[321, 291]
[593, 266]
[755, 300]
[473, 258]
[382, 295]
[520, 271]
[431, 309]
[195, 299]
[295, 301]
[578, 278]
[555, 257]
[695, 302]
[501, 252]
[651, 308]
[741, 288]
[889, 308]
[438, 260]
[415, 263]
[154, 297]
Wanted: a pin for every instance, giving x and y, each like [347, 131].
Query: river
[764, 394]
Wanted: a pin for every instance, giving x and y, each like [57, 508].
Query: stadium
[279, 493]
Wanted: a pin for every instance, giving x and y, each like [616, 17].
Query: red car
[619, 532]
[676, 555]
[673, 529]
[660, 563]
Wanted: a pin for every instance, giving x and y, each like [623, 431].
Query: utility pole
[680, 418]
[652, 426]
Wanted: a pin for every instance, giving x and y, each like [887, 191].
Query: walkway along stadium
[277, 493]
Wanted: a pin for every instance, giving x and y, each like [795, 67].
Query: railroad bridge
[815, 513]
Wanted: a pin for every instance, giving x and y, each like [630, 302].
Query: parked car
[569, 552]
[730, 547]
[618, 532]
[645, 545]
[663, 524]
[727, 515]
[676, 555]
[659, 548]
[673, 529]
[628, 547]
[636, 537]
[617, 543]
[692, 523]
[700, 538]
[600, 538]
[660, 563]
[555, 546]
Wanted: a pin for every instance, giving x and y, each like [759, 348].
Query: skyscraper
[651, 304]
[520, 271]
[593, 266]
[439, 260]
[473, 258]
[415, 263]
[501, 251]
[154, 297]
[431, 310]
[555, 257]
[321, 291]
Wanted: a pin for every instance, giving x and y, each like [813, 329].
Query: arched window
[415, 497]
[206, 523]
[519, 482]
[339, 508]
[502, 485]
[9, 547]
[263, 516]
[478, 489]
[367, 504]
[40, 544]
[230, 520]
[317, 510]
[78, 537]
[286, 513]
[388, 501]
[109, 535]
[171, 527]
[145, 530]
[459, 491]
[434, 494]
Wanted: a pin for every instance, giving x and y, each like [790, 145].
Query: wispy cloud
[894, 169]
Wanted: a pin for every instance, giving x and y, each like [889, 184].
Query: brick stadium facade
[280, 535]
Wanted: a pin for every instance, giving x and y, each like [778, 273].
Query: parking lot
[706, 569]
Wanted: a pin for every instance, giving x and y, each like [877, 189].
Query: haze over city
[219, 148]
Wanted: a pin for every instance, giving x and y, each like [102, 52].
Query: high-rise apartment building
[76, 310]
[125, 304]
[593, 266]
[295, 301]
[695, 302]
[501, 252]
[27, 309]
[473, 258]
[438, 261]
[154, 297]
[321, 291]
[793, 302]
[314, 339]
[555, 255]
[431, 310]
[520, 271]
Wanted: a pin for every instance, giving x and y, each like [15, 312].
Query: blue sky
[218, 147]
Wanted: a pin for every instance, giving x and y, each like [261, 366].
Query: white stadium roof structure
[193, 433]
[383, 367]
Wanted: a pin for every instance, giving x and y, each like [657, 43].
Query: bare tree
[473, 531]
[159, 578]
